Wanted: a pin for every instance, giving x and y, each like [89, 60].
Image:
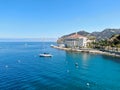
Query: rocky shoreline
[94, 51]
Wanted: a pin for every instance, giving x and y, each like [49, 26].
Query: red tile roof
[75, 36]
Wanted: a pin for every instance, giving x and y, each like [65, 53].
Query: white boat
[52, 45]
[45, 55]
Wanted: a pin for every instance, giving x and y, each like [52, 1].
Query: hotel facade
[75, 41]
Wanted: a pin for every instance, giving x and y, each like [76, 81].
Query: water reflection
[82, 59]
[85, 60]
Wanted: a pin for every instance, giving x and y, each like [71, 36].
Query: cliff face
[103, 35]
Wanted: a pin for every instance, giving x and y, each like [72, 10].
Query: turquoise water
[22, 69]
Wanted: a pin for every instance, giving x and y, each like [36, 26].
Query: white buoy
[6, 66]
[88, 84]
[76, 64]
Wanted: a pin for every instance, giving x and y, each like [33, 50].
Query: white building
[76, 41]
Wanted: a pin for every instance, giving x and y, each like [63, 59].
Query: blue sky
[54, 18]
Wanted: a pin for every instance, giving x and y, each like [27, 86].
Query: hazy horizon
[28, 39]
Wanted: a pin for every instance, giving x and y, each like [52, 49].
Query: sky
[54, 18]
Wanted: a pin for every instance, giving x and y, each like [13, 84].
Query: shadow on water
[114, 59]
[88, 56]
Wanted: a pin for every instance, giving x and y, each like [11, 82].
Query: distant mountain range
[103, 35]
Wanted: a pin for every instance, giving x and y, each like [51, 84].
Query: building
[75, 41]
[61, 45]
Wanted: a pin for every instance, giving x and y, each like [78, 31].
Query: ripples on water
[22, 69]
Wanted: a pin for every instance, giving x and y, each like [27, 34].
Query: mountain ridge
[99, 35]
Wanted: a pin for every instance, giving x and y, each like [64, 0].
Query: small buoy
[76, 64]
[88, 84]
[6, 66]
[19, 61]
[68, 71]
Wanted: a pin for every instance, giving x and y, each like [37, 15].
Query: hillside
[61, 39]
[84, 33]
[115, 40]
[103, 35]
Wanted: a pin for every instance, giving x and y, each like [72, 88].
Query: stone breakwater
[94, 51]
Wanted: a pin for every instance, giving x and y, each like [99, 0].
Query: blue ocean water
[21, 68]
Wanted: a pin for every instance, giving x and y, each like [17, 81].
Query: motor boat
[45, 55]
[52, 45]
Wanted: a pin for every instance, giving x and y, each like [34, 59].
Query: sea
[21, 68]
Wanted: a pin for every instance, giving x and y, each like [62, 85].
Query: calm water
[22, 69]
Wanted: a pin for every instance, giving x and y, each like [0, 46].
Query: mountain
[84, 33]
[103, 35]
[61, 39]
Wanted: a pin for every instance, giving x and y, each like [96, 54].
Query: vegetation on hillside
[100, 36]
[113, 42]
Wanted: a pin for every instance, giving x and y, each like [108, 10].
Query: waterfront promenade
[87, 50]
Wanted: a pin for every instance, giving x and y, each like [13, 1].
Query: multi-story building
[75, 41]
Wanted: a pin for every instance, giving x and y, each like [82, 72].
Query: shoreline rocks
[94, 51]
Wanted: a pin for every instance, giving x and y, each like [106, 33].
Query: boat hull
[45, 55]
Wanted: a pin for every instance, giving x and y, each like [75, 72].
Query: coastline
[94, 51]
